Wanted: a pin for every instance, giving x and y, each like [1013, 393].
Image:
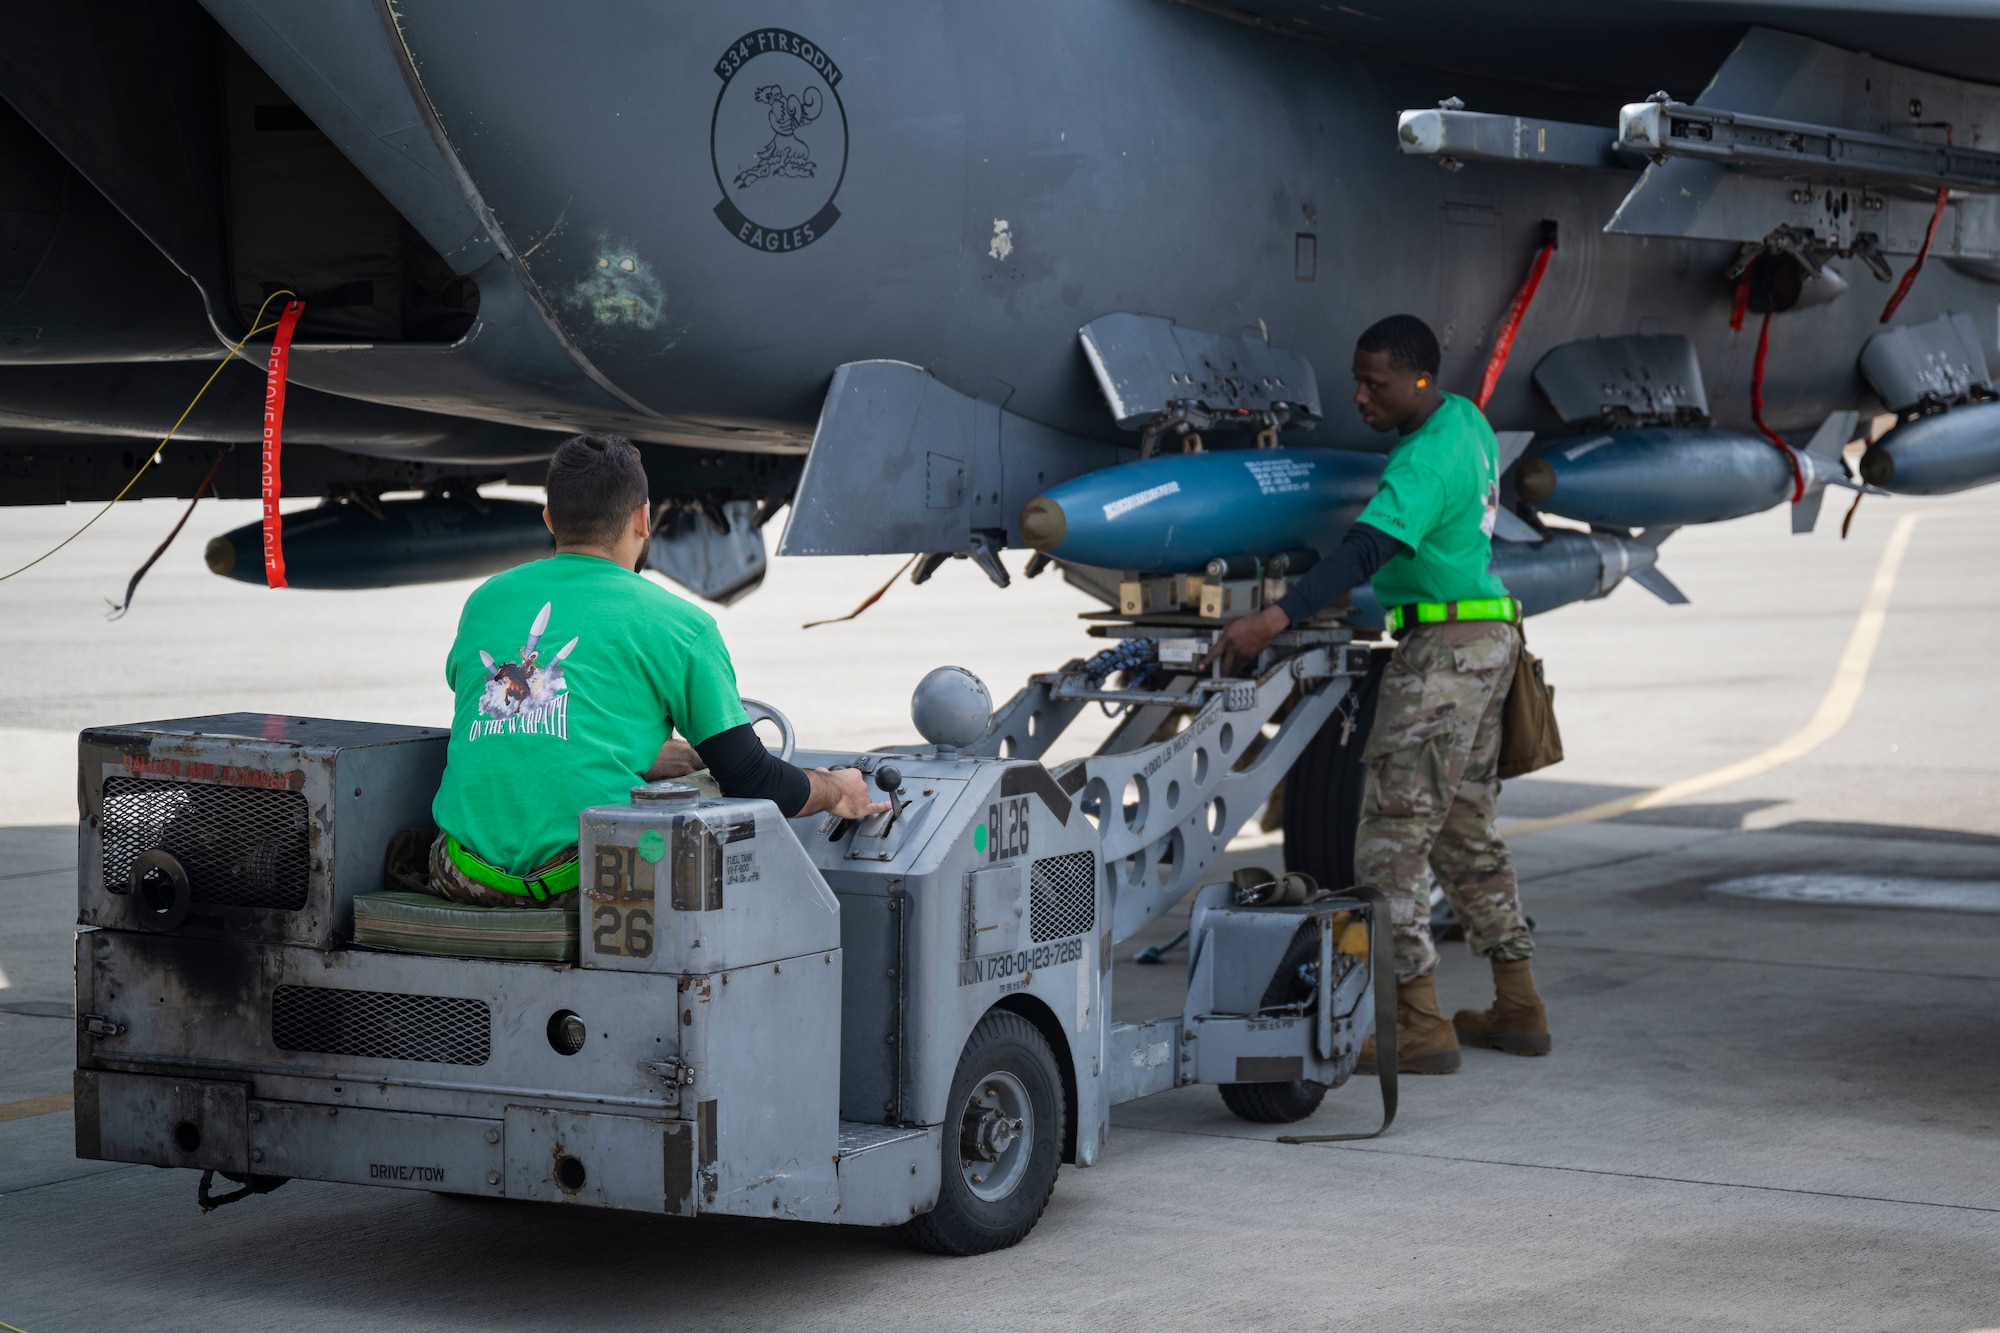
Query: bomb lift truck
[899, 1021]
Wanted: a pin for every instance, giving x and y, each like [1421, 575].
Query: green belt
[559, 880]
[1438, 613]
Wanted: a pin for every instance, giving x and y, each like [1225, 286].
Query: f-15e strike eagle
[908, 268]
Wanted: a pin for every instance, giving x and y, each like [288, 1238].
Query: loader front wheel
[1003, 1138]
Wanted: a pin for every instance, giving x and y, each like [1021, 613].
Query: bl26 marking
[1007, 829]
[626, 934]
[621, 894]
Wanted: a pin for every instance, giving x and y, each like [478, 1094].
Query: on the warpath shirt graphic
[524, 697]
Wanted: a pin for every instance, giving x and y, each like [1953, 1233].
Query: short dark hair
[595, 482]
[1408, 341]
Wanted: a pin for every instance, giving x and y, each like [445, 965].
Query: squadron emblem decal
[778, 140]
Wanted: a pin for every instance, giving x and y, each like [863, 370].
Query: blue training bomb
[1652, 477]
[1174, 513]
[1937, 454]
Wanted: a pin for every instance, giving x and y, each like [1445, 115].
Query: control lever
[887, 779]
[866, 763]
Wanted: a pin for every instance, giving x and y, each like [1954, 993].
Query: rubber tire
[1324, 788]
[1272, 1103]
[1281, 1103]
[962, 1223]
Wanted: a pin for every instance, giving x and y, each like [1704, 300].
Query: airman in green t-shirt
[571, 676]
[1433, 753]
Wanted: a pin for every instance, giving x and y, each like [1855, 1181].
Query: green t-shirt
[568, 673]
[1440, 493]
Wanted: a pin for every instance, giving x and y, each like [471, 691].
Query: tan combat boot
[1517, 1023]
[1425, 1043]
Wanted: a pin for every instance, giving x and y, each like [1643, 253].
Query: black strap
[251, 1185]
[1382, 959]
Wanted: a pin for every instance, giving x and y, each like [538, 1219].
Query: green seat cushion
[420, 923]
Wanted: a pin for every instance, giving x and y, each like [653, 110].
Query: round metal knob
[951, 707]
[670, 793]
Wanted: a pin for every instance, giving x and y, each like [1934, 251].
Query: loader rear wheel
[1282, 1103]
[1003, 1138]
[1273, 1103]
[1323, 789]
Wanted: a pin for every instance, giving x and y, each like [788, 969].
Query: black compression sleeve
[741, 766]
[1361, 552]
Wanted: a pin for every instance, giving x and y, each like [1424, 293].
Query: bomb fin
[1658, 584]
[1806, 512]
[1821, 460]
[1650, 578]
[1833, 434]
[1512, 444]
[1507, 525]
[1511, 527]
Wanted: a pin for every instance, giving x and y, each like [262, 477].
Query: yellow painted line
[33, 1106]
[1849, 676]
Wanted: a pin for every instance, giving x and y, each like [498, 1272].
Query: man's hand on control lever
[1246, 637]
[843, 791]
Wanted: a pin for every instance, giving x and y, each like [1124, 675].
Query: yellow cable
[1850, 674]
[154, 453]
[10, 1328]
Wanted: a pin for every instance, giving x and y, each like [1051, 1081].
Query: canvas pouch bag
[1529, 738]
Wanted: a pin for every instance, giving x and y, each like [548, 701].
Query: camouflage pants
[448, 881]
[1433, 759]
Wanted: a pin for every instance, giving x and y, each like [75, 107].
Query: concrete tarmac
[1758, 1115]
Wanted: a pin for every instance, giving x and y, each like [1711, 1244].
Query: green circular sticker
[652, 844]
[979, 838]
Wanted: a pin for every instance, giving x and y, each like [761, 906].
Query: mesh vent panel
[240, 846]
[1062, 896]
[434, 1028]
